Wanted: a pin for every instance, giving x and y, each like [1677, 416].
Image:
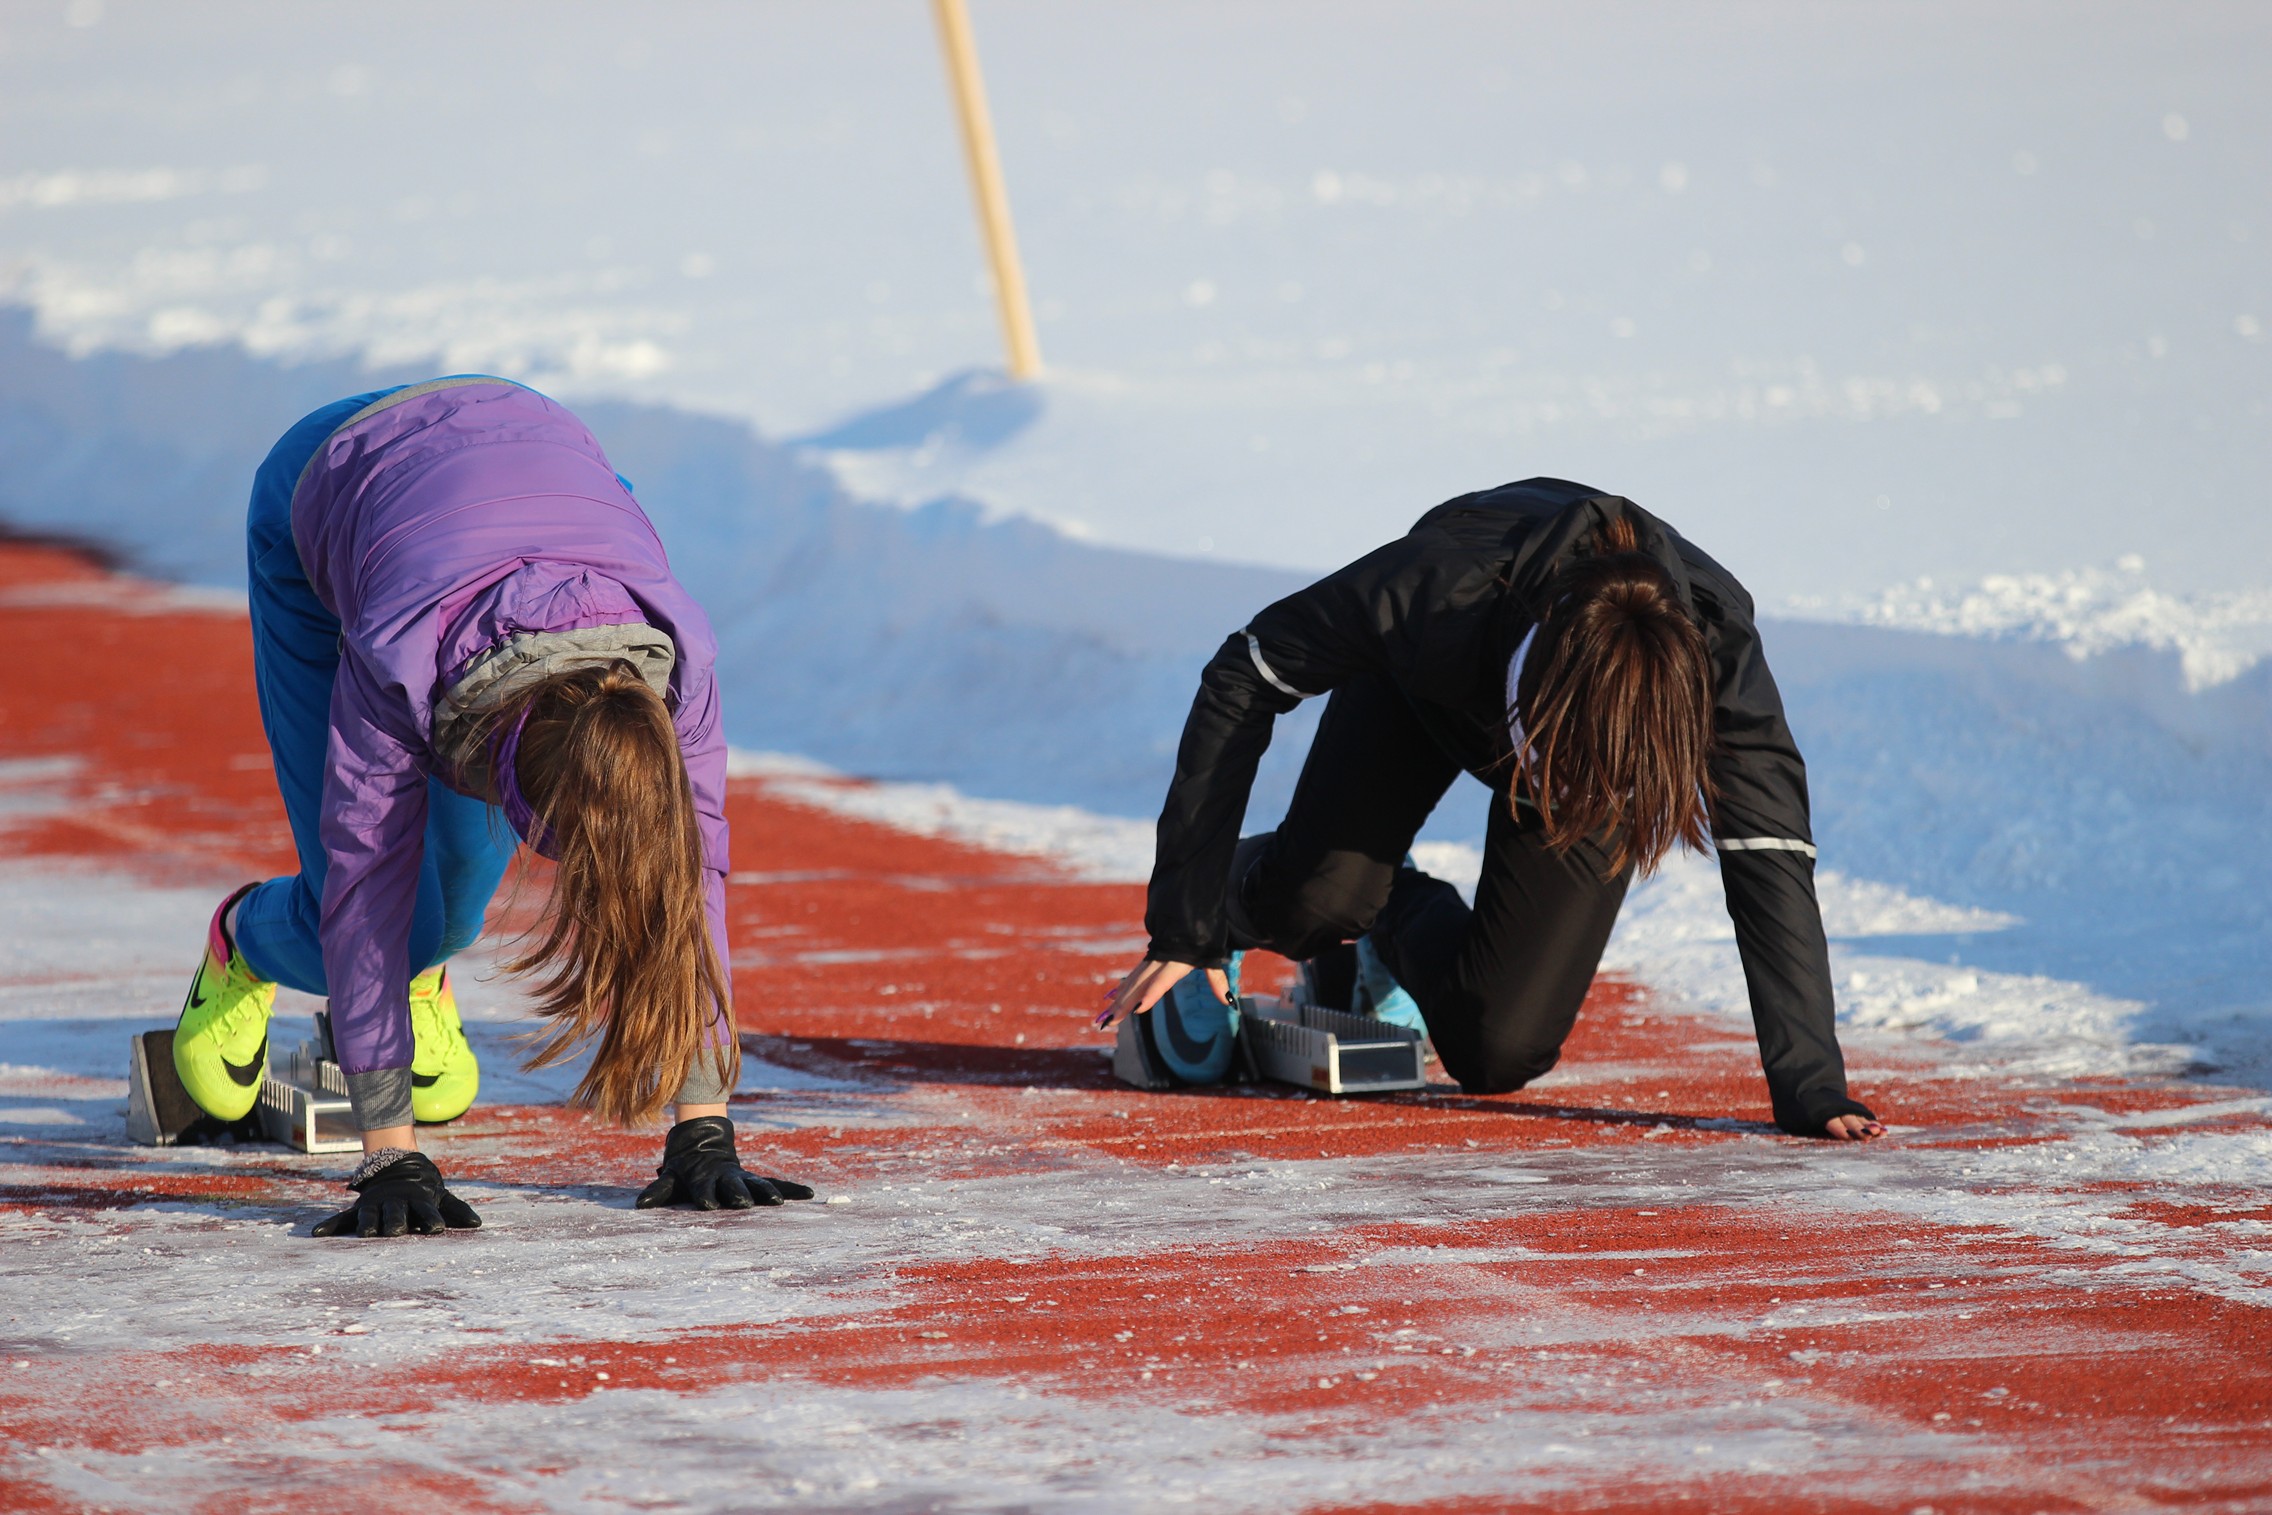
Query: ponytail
[1620, 721]
[622, 951]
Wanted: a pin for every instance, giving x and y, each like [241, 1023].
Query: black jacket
[1440, 612]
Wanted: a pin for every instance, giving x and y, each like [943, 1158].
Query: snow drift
[2051, 784]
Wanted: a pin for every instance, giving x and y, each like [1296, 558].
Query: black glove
[701, 1168]
[405, 1195]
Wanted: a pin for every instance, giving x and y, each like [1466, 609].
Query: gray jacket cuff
[703, 1086]
[381, 1098]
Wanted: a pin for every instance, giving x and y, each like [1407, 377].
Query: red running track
[1038, 1289]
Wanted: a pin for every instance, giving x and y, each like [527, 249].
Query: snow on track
[1027, 1287]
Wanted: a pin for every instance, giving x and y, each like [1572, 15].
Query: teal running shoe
[1194, 1033]
[1378, 993]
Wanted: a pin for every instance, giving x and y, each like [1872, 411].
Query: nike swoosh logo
[249, 1074]
[424, 1080]
[1187, 1046]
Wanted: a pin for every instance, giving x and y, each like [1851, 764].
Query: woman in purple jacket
[459, 610]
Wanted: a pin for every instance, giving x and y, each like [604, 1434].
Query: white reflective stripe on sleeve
[1254, 651]
[1514, 681]
[1763, 844]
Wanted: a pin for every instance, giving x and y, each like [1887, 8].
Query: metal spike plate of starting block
[305, 1105]
[1330, 1051]
[1133, 1060]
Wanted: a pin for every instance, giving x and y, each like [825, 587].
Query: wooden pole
[986, 182]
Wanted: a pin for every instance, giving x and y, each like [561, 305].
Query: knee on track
[1502, 1070]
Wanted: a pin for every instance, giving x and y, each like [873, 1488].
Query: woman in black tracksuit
[1604, 678]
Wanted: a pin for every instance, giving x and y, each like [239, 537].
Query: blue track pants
[295, 653]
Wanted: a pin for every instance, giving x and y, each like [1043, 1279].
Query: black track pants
[1500, 984]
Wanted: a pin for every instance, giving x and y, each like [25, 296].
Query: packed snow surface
[1854, 293]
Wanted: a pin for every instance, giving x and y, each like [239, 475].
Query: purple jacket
[434, 529]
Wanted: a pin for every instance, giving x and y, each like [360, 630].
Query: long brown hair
[622, 950]
[1620, 719]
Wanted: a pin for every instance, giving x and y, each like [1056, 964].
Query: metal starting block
[305, 1105]
[303, 1102]
[159, 1111]
[1329, 1050]
[1134, 1062]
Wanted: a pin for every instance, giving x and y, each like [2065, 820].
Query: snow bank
[2037, 799]
[2218, 635]
[2110, 807]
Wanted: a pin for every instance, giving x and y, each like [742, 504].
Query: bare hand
[1147, 982]
[1854, 1128]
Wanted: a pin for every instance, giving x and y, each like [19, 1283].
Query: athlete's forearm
[1222, 745]
[398, 1138]
[1786, 966]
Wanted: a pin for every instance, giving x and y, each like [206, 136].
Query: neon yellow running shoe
[221, 1040]
[444, 1076]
